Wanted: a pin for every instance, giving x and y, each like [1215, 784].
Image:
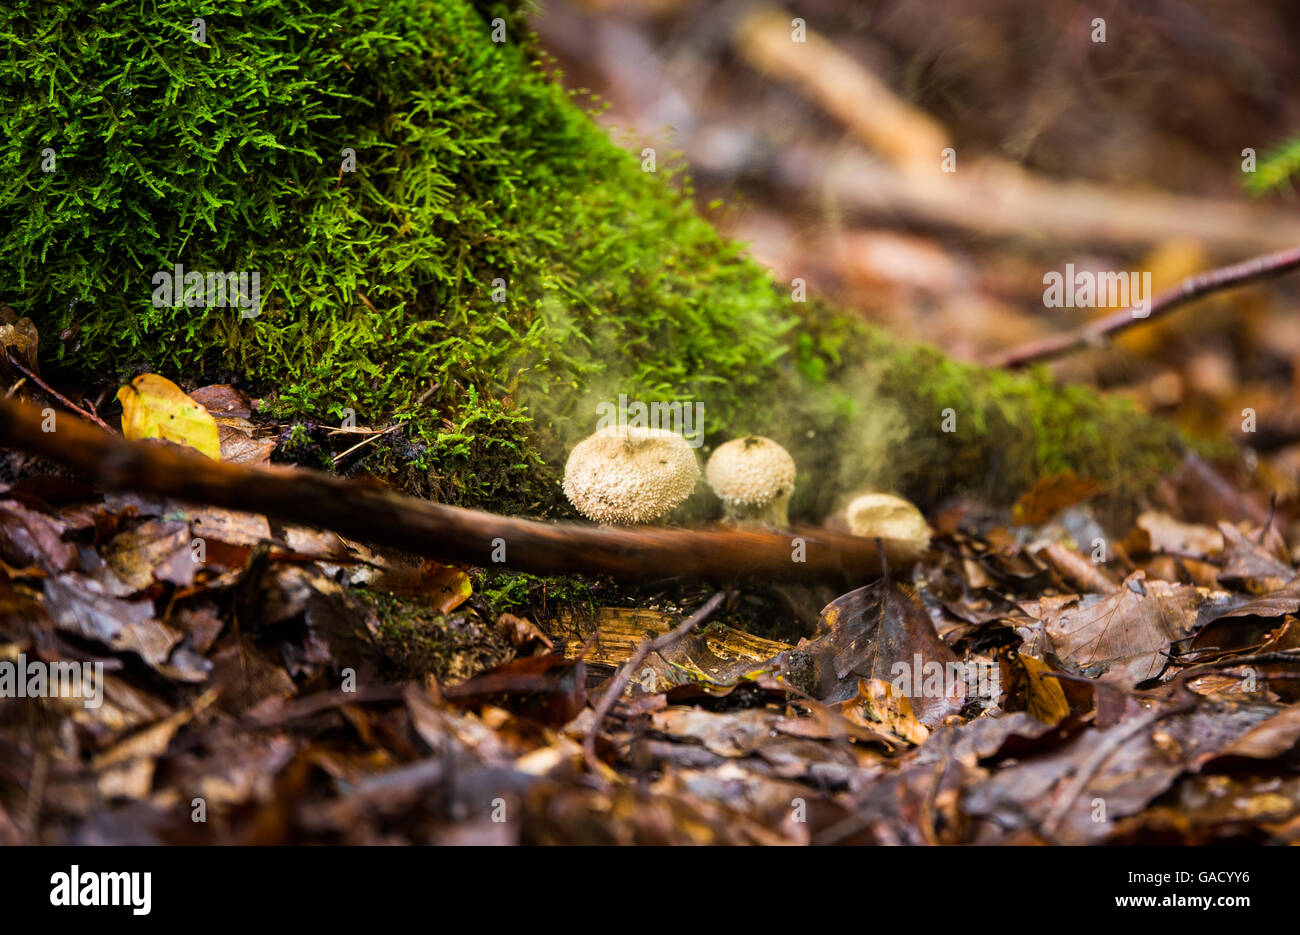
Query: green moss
[299, 446]
[414, 642]
[522, 594]
[378, 286]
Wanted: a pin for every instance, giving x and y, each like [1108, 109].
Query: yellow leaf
[447, 587]
[879, 705]
[155, 407]
[1046, 700]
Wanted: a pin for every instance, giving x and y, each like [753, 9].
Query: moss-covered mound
[491, 243]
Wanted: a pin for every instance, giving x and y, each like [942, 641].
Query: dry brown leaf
[1051, 495]
[883, 632]
[1167, 534]
[20, 338]
[1127, 632]
[1250, 566]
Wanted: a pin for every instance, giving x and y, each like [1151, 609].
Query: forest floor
[1050, 673]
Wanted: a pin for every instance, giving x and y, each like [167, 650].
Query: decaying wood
[618, 683]
[383, 517]
[619, 631]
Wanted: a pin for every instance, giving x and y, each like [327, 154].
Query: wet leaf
[882, 632]
[1128, 632]
[155, 407]
[1050, 495]
[880, 706]
[547, 689]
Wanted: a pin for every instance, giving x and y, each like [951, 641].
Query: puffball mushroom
[624, 475]
[754, 476]
[885, 516]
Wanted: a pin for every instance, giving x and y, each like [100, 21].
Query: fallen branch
[843, 87]
[1194, 287]
[386, 518]
[987, 196]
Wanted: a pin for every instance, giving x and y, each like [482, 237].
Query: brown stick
[1104, 750]
[52, 392]
[985, 195]
[1202, 284]
[1077, 570]
[383, 517]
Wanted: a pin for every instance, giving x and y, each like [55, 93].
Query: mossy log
[443, 236]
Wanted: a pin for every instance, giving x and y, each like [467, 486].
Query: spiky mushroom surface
[624, 475]
[754, 476]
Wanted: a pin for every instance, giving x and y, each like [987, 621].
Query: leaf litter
[999, 707]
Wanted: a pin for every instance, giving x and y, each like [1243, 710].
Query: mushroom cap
[888, 517]
[750, 471]
[623, 475]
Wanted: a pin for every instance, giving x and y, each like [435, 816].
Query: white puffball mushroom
[885, 516]
[624, 475]
[754, 476]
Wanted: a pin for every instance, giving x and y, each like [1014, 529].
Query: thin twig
[1272, 511]
[1254, 659]
[52, 392]
[367, 440]
[1194, 287]
[624, 674]
[1104, 750]
[392, 428]
[35, 794]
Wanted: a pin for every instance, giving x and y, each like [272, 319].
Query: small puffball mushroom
[624, 475]
[882, 515]
[754, 476]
